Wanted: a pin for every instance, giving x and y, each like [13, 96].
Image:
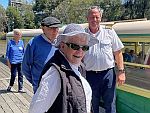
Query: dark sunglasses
[77, 47]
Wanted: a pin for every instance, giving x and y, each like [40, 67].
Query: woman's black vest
[71, 98]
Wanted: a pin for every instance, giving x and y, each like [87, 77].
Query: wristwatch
[121, 70]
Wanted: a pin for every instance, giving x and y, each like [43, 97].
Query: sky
[4, 3]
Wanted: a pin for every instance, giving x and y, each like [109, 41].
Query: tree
[28, 16]
[44, 8]
[140, 8]
[76, 10]
[3, 20]
[111, 9]
[14, 18]
[136, 9]
[72, 11]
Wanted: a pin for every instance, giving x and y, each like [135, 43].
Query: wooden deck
[13, 102]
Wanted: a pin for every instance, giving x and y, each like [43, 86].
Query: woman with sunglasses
[62, 87]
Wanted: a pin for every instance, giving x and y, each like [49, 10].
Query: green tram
[134, 96]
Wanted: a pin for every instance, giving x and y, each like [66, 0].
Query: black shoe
[9, 88]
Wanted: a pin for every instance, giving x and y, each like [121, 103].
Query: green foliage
[135, 9]
[2, 19]
[14, 18]
[28, 17]
[29, 22]
[20, 18]
[76, 10]
[44, 8]
[111, 9]
[72, 11]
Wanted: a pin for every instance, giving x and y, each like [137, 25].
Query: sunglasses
[77, 47]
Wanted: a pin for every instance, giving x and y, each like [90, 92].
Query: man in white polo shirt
[100, 62]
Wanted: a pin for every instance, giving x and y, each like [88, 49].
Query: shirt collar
[73, 66]
[95, 34]
[75, 69]
[45, 38]
[15, 41]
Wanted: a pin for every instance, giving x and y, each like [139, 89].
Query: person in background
[100, 62]
[14, 56]
[62, 88]
[39, 50]
[126, 55]
[140, 58]
[133, 56]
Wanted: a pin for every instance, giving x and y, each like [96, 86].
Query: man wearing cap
[62, 88]
[39, 49]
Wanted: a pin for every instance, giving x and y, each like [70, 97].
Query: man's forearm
[119, 59]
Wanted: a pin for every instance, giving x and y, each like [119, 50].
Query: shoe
[21, 91]
[9, 88]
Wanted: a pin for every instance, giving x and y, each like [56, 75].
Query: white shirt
[51, 53]
[53, 49]
[49, 89]
[100, 56]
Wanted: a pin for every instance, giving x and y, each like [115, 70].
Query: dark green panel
[131, 103]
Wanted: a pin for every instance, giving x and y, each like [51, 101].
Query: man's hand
[8, 64]
[121, 78]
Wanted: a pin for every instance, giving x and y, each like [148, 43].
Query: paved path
[13, 102]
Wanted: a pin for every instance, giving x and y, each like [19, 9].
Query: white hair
[95, 7]
[17, 31]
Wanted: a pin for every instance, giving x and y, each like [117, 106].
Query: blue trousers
[103, 84]
[14, 68]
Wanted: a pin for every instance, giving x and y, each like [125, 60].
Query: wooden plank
[4, 106]
[28, 85]
[19, 99]
[1, 109]
[13, 102]
[12, 98]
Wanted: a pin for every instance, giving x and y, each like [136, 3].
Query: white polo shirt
[100, 56]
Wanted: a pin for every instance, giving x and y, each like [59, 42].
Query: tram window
[136, 74]
[137, 52]
[129, 53]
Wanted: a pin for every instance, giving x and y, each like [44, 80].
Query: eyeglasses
[77, 47]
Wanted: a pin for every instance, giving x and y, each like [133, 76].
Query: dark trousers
[14, 68]
[103, 84]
